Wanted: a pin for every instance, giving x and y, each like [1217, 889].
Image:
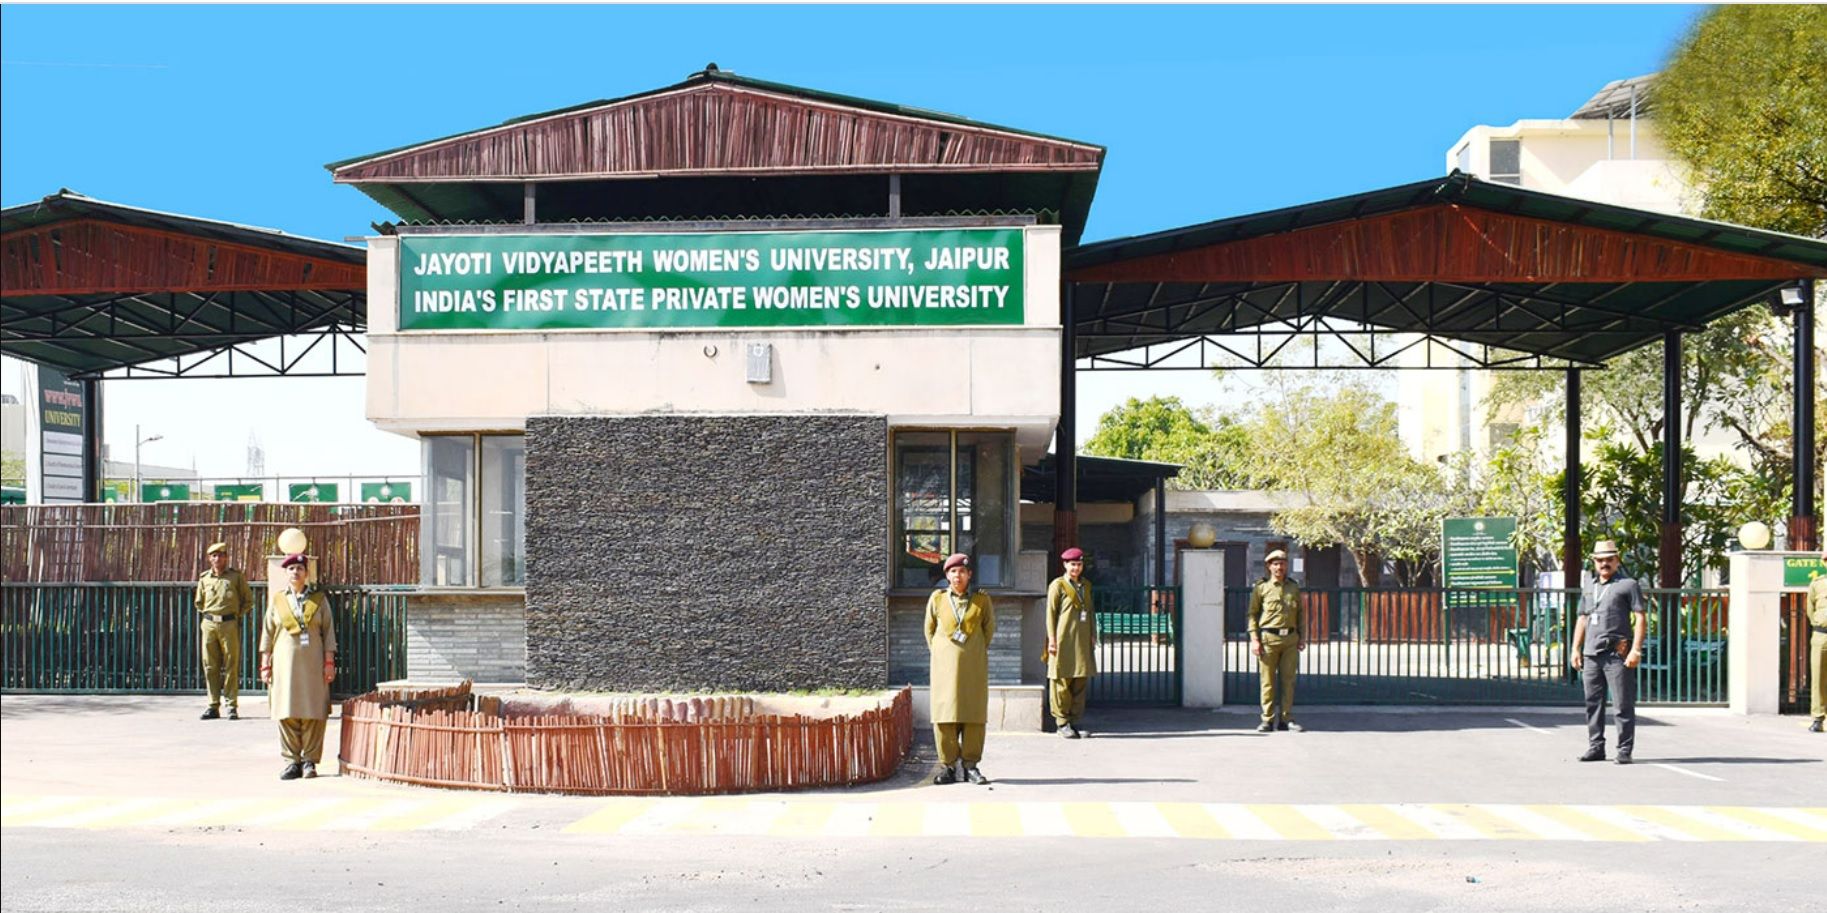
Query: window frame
[1011, 498]
[475, 523]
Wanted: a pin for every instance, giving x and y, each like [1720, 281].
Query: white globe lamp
[1201, 535]
[1754, 535]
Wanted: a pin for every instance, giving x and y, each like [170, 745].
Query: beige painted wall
[1004, 377]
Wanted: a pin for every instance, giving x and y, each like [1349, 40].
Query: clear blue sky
[230, 113]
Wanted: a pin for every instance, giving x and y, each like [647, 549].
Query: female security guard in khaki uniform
[1275, 638]
[959, 625]
[1071, 642]
[298, 662]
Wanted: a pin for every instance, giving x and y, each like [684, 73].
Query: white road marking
[1690, 772]
[1536, 729]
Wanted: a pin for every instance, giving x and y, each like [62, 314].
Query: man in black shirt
[1607, 648]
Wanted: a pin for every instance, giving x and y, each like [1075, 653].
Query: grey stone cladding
[454, 636]
[707, 552]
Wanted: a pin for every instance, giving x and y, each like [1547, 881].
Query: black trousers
[1607, 671]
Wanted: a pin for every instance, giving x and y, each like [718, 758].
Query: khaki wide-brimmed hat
[1605, 548]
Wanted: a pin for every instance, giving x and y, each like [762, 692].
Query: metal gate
[97, 638]
[1793, 665]
[1433, 646]
[1138, 650]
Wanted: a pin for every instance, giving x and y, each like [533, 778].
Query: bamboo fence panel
[645, 746]
[145, 543]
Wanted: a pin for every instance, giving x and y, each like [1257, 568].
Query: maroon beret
[291, 560]
[1072, 554]
[959, 559]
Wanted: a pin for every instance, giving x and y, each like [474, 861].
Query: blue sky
[230, 113]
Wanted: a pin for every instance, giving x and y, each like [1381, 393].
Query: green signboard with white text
[1801, 571]
[938, 277]
[311, 492]
[153, 492]
[248, 491]
[1476, 552]
[386, 492]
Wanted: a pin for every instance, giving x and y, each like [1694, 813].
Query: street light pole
[137, 441]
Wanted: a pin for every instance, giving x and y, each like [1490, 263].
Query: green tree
[1164, 429]
[1743, 104]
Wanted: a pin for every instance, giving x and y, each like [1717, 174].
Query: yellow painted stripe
[426, 813]
[1487, 823]
[1771, 822]
[1385, 821]
[803, 819]
[611, 817]
[1588, 824]
[59, 809]
[1289, 822]
[899, 819]
[1671, 818]
[1092, 819]
[1190, 820]
[329, 814]
[995, 819]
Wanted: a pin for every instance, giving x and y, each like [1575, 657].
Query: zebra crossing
[817, 818]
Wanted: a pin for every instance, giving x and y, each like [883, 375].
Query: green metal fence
[1138, 652]
[1427, 646]
[144, 638]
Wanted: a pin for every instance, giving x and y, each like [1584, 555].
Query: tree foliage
[1164, 429]
[1743, 103]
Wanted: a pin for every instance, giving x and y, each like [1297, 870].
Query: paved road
[132, 804]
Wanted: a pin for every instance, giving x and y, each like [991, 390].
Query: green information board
[153, 492]
[1477, 552]
[1801, 571]
[252, 491]
[311, 492]
[386, 492]
[941, 277]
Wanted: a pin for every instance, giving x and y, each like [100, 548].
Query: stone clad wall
[695, 552]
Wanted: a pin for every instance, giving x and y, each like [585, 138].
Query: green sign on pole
[153, 492]
[1801, 571]
[1477, 552]
[250, 491]
[312, 492]
[386, 492]
[940, 277]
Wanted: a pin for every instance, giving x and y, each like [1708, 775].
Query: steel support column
[1571, 482]
[94, 466]
[1065, 441]
[1161, 531]
[1804, 527]
[1668, 555]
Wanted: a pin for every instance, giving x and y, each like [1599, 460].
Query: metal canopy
[1490, 274]
[1099, 478]
[92, 287]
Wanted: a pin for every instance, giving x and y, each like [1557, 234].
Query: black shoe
[1066, 731]
[234, 714]
[975, 776]
[1281, 726]
[1265, 727]
[1814, 726]
[1623, 757]
[310, 770]
[292, 771]
[945, 775]
[210, 714]
[1593, 754]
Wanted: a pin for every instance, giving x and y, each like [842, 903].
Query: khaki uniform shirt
[298, 691]
[1072, 623]
[960, 671]
[224, 594]
[1817, 602]
[1275, 605]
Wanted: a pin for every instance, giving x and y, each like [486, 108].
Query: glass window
[1506, 161]
[504, 525]
[954, 492]
[447, 514]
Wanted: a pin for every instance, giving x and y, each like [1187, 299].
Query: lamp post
[137, 441]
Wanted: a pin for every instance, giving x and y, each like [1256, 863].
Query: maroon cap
[1072, 554]
[959, 559]
[295, 559]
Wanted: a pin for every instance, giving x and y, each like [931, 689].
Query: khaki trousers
[1069, 697]
[1280, 658]
[1817, 675]
[222, 661]
[302, 740]
[959, 739]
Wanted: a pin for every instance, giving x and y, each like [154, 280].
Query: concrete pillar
[1202, 628]
[1754, 616]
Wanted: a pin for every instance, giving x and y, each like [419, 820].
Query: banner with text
[1477, 552]
[944, 277]
[61, 456]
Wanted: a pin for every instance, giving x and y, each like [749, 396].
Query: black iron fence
[1139, 646]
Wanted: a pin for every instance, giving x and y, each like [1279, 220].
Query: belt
[1278, 630]
[209, 617]
[1818, 629]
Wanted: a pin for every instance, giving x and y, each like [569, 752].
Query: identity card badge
[958, 637]
[304, 640]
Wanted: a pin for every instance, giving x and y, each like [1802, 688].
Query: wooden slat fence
[371, 544]
[647, 747]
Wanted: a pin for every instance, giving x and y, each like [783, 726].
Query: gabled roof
[719, 126]
[1454, 257]
[92, 286]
